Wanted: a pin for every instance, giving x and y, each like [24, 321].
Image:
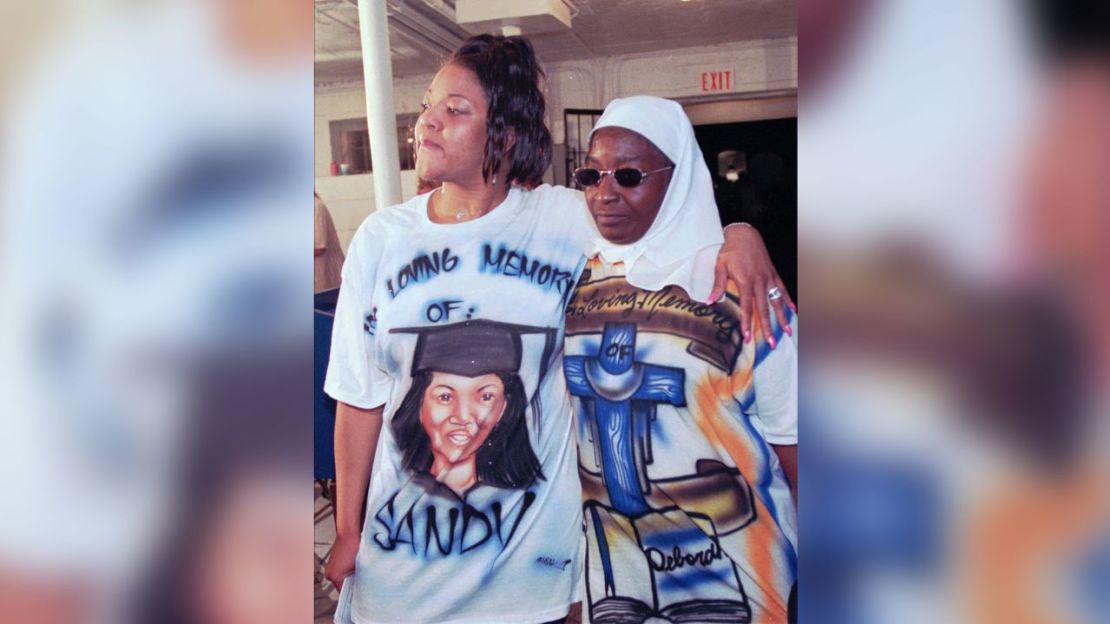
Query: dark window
[350, 143]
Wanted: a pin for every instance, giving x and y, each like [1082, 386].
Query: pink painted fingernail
[772, 341]
[789, 332]
[714, 296]
[748, 336]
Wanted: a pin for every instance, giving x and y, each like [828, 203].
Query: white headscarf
[681, 246]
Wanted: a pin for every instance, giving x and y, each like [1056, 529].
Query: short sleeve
[776, 388]
[354, 376]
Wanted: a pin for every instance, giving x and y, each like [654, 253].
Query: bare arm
[788, 458]
[356, 439]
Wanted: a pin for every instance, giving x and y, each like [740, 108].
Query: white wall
[757, 67]
[351, 198]
[760, 67]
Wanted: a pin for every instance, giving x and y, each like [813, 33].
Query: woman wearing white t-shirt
[452, 304]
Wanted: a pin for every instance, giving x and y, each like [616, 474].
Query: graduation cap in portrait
[480, 347]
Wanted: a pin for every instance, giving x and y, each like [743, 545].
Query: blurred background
[953, 219]
[156, 161]
[155, 356]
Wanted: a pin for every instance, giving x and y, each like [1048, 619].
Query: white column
[378, 76]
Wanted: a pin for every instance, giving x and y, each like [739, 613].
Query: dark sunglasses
[626, 176]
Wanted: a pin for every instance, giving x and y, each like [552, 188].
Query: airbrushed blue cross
[624, 394]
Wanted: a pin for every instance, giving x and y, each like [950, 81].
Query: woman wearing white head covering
[689, 514]
[681, 246]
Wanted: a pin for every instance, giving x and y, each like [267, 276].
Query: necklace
[461, 215]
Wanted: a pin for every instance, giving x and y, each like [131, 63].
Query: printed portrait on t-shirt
[464, 420]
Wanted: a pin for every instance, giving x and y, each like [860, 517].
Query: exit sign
[718, 80]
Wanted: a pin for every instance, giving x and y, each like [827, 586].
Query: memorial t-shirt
[473, 512]
[688, 516]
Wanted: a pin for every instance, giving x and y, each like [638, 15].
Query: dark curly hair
[511, 77]
[504, 460]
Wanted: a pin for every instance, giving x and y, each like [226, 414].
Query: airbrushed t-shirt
[688, 516]
[473, 512]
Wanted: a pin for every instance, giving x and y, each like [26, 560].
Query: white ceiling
[422, 32]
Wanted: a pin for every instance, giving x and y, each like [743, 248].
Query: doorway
[754, 167]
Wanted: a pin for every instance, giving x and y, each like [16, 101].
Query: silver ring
[774, 293]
